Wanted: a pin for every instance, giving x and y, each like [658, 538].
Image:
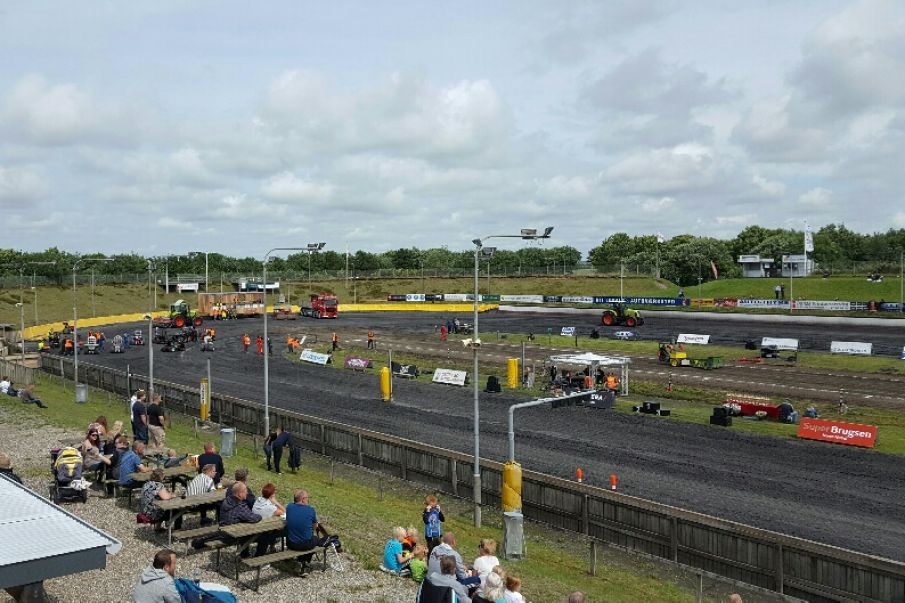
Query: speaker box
[650, 408]
[664, 412]
[724, 421]
[493, 385]
[720, 411]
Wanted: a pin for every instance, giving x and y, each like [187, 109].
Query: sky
[170, 126]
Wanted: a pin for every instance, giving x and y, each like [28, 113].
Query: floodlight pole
[75, 322]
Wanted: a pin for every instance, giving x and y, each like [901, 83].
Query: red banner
[838, 433]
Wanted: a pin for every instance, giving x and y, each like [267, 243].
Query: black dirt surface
[837, 495]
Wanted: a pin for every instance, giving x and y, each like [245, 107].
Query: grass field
[362, 508]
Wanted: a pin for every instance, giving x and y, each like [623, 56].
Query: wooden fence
[789, 565]
[19, 374]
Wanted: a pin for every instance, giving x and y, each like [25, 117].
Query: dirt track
[833, 494]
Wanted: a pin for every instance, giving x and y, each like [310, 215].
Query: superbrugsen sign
[850, 434]
[851, 347]
[692, 338]
[449, 376]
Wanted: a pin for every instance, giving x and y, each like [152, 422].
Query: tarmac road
[833, 494]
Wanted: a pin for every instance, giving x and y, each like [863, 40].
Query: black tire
[630, 321]
[608, 319]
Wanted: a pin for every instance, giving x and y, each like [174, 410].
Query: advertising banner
[831, 306]
[395, 298]
[552, 299]
[850, 434]
[431, 297]
[692, 338]
[357, 363]
[890, 307]
[725, 302]
[456, 297]
[577, 299]
[763, 303]
[851, 347]
[568, 332]
[314, 357]
[449, 376]
[489, 298]
[414, 297]
[779, 343]
[523, 299]
[640, 301]
[706, 302]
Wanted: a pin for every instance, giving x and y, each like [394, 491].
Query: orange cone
[613, 481]
[579, 475]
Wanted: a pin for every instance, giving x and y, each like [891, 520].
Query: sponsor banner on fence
[832, 306]
[577, 299]
[315, 357]
[357, 362]
[395, 298]
[456, 297]
[779, 343]
[838, 433]
[706, 302]
[568, 332]
[524, 299]
[449, 376]
[432, 297]
[725, 302]
[763, 303]
[851, 347]
[552, 299]
[692, 338]
[414, 297]
[489, 298]
[641, 301]
[859, 306]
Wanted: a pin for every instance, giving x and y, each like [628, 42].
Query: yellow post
[385, 383]
[512, 487]
[205, 399]
[512, 373]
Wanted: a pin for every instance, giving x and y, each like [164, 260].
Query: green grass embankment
[362, 508]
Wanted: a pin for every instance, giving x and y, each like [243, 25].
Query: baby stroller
[66, 467]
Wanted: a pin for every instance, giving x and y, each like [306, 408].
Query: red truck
[322, 305]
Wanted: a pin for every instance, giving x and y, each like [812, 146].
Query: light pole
[266, 342]
[34, 288]
[901, 280]
[313, 248]
[150, 341]
[75, 322]
[22, 329]
[527, 234]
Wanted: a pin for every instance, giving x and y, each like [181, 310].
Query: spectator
[140, 418]
[274, 445]
[513, 592]
[302, 525]
[433, 522]
[410, 541]
[120, 447]
[576, 597]
[202, 484]
[27, 397]
[151, 492]
[131, 462]
[735, 598]
[4, 385]
[210, 457]
[811, 412]
[446, 577]
[267, 504]
[91, 451]
[156, 584]
[493, 590]
[234, 510]
[157, 424]
[447, 548]
[6, 468]
[394, 559]
[100, 424]
[486, 560]
[241, 475]
[417, 564]
[173, 460]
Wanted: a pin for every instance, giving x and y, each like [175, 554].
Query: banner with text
[568, 332]
[314, 357]
[763, 303]
[357, 363]
[832, 306]
[523, 299]
[779, 343]
[851, 347]
[449, 376]
[850, 434]
[692, 338]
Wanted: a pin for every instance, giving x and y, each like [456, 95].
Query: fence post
[333, 471]
[128, 380]
[674, 538]
[454, 476]
[361, 454]
[779, 569]
[585, 527]
[403, 465]
[323, 441]
[593, 557]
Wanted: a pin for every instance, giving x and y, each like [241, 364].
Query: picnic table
[177, 507]
[179, 474]
[244, 534]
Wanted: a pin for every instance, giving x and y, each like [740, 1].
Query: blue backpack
[192, 593]
[432, 527]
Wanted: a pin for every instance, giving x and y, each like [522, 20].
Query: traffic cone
[669, 383]
[613, 481]
[578, 474]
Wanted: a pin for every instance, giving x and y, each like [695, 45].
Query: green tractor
[180, 316]
[621, 315]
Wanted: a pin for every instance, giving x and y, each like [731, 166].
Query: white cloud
[899, 219]
[561, 187]
[770, 187]
[817, 197]
[20, 186]
[289, 187]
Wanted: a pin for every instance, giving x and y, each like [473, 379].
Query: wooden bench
[256, 563]
[189, 535]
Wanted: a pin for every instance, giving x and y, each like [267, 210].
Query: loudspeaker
[493, 385]
[650, 408]
[664, 412]
[724, 421]
[720, 411]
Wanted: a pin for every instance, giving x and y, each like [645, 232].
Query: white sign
[315, 357]
[779, 343]
[449, 376]
[414, 297]
[692, 338]
[833, 306]
[763, 303]
[851, 347]
[577, 299]
[456, 297]
[568, 332]
[525, 299]
[187, 287]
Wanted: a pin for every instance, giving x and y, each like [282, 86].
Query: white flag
[660, 238]
[808, 239]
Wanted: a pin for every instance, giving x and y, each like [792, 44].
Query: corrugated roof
[33, 528]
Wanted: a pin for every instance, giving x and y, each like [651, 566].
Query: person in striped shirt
[202, 484]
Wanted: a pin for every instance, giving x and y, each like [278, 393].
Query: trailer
[233, 304]
[667, 354]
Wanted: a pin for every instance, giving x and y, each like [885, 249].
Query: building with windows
[754, 266]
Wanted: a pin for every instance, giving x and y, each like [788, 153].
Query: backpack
[190, 592]
[68, 465]
[432, 527]
[295, 457]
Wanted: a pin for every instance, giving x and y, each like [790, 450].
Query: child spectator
[418, 564]
[433, 522]
[410, 541]
[513, 592]
[493, 592]
[393, 558]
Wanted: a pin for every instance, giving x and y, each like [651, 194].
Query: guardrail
[786, 564]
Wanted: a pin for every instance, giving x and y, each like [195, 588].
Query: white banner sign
[568, 332]
[763, 303]
[187, 287]
[779, 343]
[315, 357]
[456, 297]
[692, 338]
[414, 297]
[577, 299]
[833, 306]
[851, 347]
[449, 376]
[525, 299]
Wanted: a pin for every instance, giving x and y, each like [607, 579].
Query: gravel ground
[345, 581]
[833, 494]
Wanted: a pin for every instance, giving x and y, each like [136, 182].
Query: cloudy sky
[164, 127]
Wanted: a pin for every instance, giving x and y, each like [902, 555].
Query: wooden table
[246, 533]
[177, 507]
[172, 474]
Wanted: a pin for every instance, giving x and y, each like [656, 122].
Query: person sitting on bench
[302, 526]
